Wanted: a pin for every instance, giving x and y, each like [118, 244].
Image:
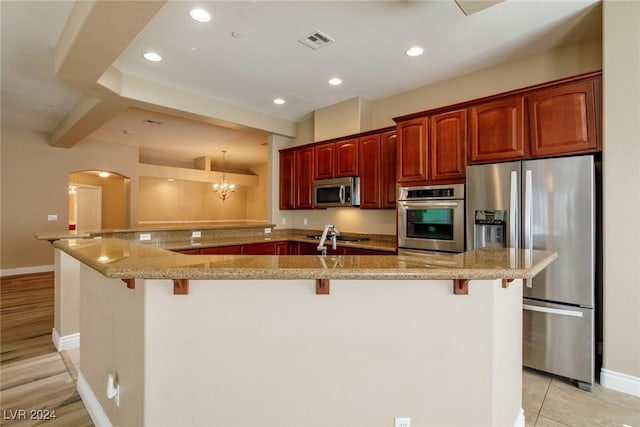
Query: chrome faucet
[334, 238]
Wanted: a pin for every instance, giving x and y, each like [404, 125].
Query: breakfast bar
[297, 340]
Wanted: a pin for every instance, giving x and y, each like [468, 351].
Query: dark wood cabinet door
[287, 180]
[497, 130]
[346, 158]
[370, 180]
[304, 178]
[388, 163]
[323, 157]
[448, 146]
[267, 248]
[412, 150]
[563, 120]
[222, 250]
[189, 251]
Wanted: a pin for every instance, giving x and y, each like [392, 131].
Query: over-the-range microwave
[336, 192]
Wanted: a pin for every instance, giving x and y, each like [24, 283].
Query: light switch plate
[402, 422]
[145, 237]
[52, 217]
[196, 234]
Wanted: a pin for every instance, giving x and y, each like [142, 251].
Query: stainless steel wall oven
[431, 218]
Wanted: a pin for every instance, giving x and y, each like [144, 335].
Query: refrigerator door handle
[528, 209]
[513, 211]
[572, 313]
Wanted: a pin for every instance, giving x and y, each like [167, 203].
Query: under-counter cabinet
[222, 250]
[564, 119]
[267, 248]
[496, 130]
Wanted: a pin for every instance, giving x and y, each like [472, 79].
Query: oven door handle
[430, 204]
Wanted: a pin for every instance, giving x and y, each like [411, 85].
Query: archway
[98, 200]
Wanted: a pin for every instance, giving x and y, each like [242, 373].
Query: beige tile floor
[550, 401]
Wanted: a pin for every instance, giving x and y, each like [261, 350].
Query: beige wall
[621, 177]
[35, 183]
[161, 200]
[257, 196]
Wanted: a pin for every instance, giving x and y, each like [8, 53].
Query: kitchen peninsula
[298, 340]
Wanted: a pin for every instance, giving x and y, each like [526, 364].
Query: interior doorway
[86, 211]
[98, 200]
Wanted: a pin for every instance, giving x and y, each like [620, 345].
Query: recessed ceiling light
[200, 15]
[104, 174]
[335, 81]
[279, 101]
[415, 51]
[152, 56]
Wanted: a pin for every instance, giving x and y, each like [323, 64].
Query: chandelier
[224, 189]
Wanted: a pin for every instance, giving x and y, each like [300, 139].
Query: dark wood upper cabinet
[370, 178]
[448, 146]
[564, 119]
[388, 167]
[497, 130]
[346, 158]
[287, 180]
[304, 178]
[412, 150]
[324, 156]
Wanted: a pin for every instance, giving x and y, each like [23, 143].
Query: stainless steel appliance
[545, 204]
[431, 218]
[336, 192]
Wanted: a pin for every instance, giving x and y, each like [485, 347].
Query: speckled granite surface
[118, 258]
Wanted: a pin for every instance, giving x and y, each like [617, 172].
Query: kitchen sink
[339, 238]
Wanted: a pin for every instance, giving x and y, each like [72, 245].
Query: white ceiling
[267, 61]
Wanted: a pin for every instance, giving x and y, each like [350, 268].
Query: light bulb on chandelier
[223, 189]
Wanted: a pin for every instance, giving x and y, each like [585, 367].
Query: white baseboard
[26, 270]
[97, 414]
[67, 342]
[520, 419]
[620, 382]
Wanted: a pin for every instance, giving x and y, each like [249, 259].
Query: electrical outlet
[267, 230]
[52, 217]
[145, 237]
[284, 221]
[304, 221]
[196, 234]
[402, 422]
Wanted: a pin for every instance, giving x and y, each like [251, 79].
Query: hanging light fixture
[224, 189]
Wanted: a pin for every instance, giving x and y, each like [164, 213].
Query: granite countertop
[125, 259]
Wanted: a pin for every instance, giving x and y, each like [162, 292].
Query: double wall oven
[431, 218]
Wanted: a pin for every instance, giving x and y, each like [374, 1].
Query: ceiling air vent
[316, 40]
[152, 122]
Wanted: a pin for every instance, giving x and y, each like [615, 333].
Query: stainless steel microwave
[336, 192]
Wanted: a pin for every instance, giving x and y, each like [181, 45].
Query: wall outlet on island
[402, 422]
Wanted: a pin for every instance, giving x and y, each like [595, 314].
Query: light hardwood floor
[36, 385]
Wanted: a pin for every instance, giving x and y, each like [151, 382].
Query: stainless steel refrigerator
[547, 204]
